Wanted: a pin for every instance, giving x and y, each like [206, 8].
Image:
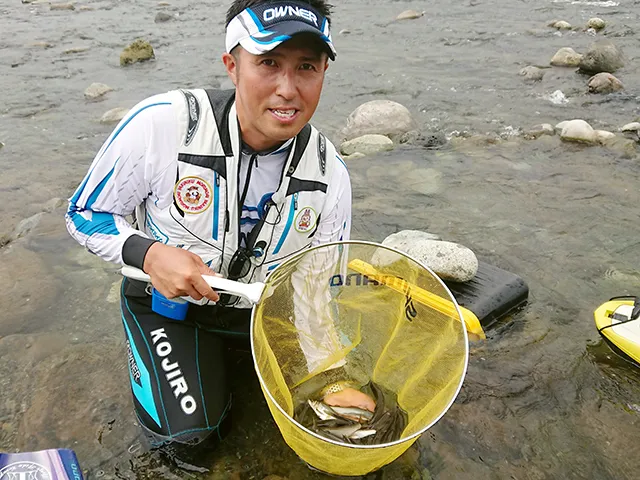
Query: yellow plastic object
[420, 295]
[320, 320]
[624, 336]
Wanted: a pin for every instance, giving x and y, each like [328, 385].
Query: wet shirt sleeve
[133, 164]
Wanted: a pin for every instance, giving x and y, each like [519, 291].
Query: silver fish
[352, 413]
[324, 412]
[358, 434]
[344, 431]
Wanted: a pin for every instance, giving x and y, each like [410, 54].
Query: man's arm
[137, 161]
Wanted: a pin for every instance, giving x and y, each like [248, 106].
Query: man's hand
[350, 397]
[176, 272]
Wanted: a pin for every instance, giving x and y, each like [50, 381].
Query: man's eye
[269, 62]
[307, 66]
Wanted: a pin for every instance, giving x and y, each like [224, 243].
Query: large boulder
[604, 82]
[138, 51]
[566, 57]
[602, 56]
[382, 117]
[367, 145]
[448, 260]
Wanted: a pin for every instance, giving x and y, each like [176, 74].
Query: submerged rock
[596, 23]
[96, 90]
[139, 51]
[604, 82]
[532, 73]
[539, 130]
[566, 57]
[383, 117]
[632, 131]
[433, 139]
[114, 115]
[602, 136]
[602, 56]
[561, 25]
[450, 261]
[578, 131]
[26, 225]
[162, 17]
[367, 145]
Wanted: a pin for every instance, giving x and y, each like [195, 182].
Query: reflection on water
[543, 397]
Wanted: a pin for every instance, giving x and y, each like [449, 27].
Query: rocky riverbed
[484, 161]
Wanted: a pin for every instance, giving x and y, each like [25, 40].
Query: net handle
[250, 291]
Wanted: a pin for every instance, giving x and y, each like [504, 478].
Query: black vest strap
[302, 140]
[221, 101]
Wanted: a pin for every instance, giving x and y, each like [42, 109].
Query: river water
[543, 398]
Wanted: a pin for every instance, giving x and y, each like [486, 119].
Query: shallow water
[543, 397]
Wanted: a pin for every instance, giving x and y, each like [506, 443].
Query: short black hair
[239, 5]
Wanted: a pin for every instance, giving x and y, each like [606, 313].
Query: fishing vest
[204, 217]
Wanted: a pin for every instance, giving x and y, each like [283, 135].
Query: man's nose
[287, 84]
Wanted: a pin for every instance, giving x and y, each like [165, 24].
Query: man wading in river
[232, 182]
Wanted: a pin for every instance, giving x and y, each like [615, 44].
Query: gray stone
[632, 131]
[409, 15]
[427, 181]
[566, 57]
[602, 136]
[540, 130]
[561, 25]
[532, 73]
[139, 51]
[558, 128]
[434, 139]
[62, 6]
[450, 261]
[41, 45]
[162, 17]
[367, 145]
[602, 56]
[353, 156]
[26, 225]
[96, 90]
[382, 117]
[626, 147]
[52, 204]
[596, 23]
[344, 31]
[578, 131]
[71, 50]
[604, 82]
[114, 115]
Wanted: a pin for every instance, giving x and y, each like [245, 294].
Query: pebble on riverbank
[139, 51]
[566, 57]
[604, 83]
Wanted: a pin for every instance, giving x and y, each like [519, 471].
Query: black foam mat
[492, 294]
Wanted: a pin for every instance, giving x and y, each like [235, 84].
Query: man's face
[276, 93]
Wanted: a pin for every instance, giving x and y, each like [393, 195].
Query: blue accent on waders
[287, 227]
[143, 391]
[150, 393]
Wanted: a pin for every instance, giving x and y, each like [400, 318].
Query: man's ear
[231, 65]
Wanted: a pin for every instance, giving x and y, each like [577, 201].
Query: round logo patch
[192, 194]
[306, 220]
[25, 470]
